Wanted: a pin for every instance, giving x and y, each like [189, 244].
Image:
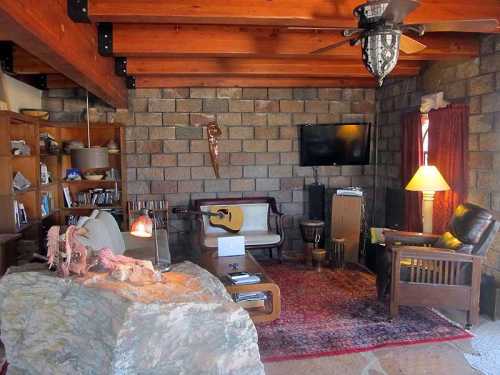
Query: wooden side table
[221, 266]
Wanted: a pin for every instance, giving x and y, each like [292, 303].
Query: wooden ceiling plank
[209, 40]
[163, 81]
[45, 30]
[258, 67]
[320, 13]
[26, 63]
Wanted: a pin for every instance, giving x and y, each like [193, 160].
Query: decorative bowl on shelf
[36, 113]
[93, 177]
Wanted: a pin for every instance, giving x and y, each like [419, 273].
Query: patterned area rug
[337, 312]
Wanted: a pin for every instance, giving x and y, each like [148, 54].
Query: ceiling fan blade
[315, 28]
[465, 26]
[331, 46]
[409, 45]
[397, 10]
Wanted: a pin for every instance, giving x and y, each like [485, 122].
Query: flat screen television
[335, 144]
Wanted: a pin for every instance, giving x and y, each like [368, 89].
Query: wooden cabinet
[346, 223]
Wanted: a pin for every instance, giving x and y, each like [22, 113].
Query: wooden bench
[258, 228]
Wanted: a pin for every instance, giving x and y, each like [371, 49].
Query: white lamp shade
[90, 158]
[427, 178]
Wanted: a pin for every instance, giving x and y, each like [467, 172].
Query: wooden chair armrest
[393, 236]
[432, 253]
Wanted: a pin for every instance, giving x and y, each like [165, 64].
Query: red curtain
[412, 158]
[448, 151]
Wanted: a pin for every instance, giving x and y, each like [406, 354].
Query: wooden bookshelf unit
[14, 126]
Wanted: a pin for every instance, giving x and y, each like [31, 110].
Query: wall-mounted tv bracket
[105, 38]
[130, 82]
[121, 66]
[78, 11]
[6, 57]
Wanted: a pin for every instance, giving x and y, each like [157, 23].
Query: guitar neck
[186, 211]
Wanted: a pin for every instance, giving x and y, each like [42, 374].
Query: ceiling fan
[381, 33]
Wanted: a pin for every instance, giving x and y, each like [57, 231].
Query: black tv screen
[335, 144]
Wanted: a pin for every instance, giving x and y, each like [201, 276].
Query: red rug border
[466, 335]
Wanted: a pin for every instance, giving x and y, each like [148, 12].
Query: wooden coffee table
[221, 266]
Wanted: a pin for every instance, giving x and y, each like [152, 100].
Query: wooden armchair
[442, 271]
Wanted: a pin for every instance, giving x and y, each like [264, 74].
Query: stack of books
[243, 278]
[249, 300]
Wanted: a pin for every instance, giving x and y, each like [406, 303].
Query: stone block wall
[167, 153]
[475, 81]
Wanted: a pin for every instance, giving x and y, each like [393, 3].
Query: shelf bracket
[6, 57]
[130, 82]
[105, 38]
[121, 66]
[78, 11]
[40, 81]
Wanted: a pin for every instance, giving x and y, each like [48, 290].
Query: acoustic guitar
[229, 218]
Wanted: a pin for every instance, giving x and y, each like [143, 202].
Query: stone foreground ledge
[51, 325]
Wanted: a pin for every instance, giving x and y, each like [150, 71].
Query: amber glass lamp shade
[142, 226]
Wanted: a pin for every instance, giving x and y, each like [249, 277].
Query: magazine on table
[243, 278]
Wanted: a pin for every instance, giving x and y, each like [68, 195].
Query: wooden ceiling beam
[209, 40]
[164, 81]
[254, 67]
[58, 81]
[45, 30]
[26, 63]
[319, 13]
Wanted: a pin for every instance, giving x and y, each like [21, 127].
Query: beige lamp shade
[427, 178]
[142, 227]
[90, 158]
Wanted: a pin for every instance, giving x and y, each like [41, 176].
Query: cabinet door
[346, 223]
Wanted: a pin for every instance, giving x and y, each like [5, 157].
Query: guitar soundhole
[224, 212]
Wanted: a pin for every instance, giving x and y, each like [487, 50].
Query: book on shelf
[68, 202]
[20, 214]
[46, 203]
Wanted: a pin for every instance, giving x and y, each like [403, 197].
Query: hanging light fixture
[379, 45]
[380, 52]
[89, 157]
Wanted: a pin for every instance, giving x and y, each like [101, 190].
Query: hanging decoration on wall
[214, 132]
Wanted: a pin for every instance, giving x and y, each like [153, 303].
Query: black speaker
[316, 199]
[394, 208]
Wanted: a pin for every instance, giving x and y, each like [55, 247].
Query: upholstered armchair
[442, 270]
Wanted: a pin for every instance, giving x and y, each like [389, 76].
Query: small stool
[311, 234]
[337, 253]
[319, 256]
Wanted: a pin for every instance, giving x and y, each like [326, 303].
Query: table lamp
[145, 226]
[428, 180]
